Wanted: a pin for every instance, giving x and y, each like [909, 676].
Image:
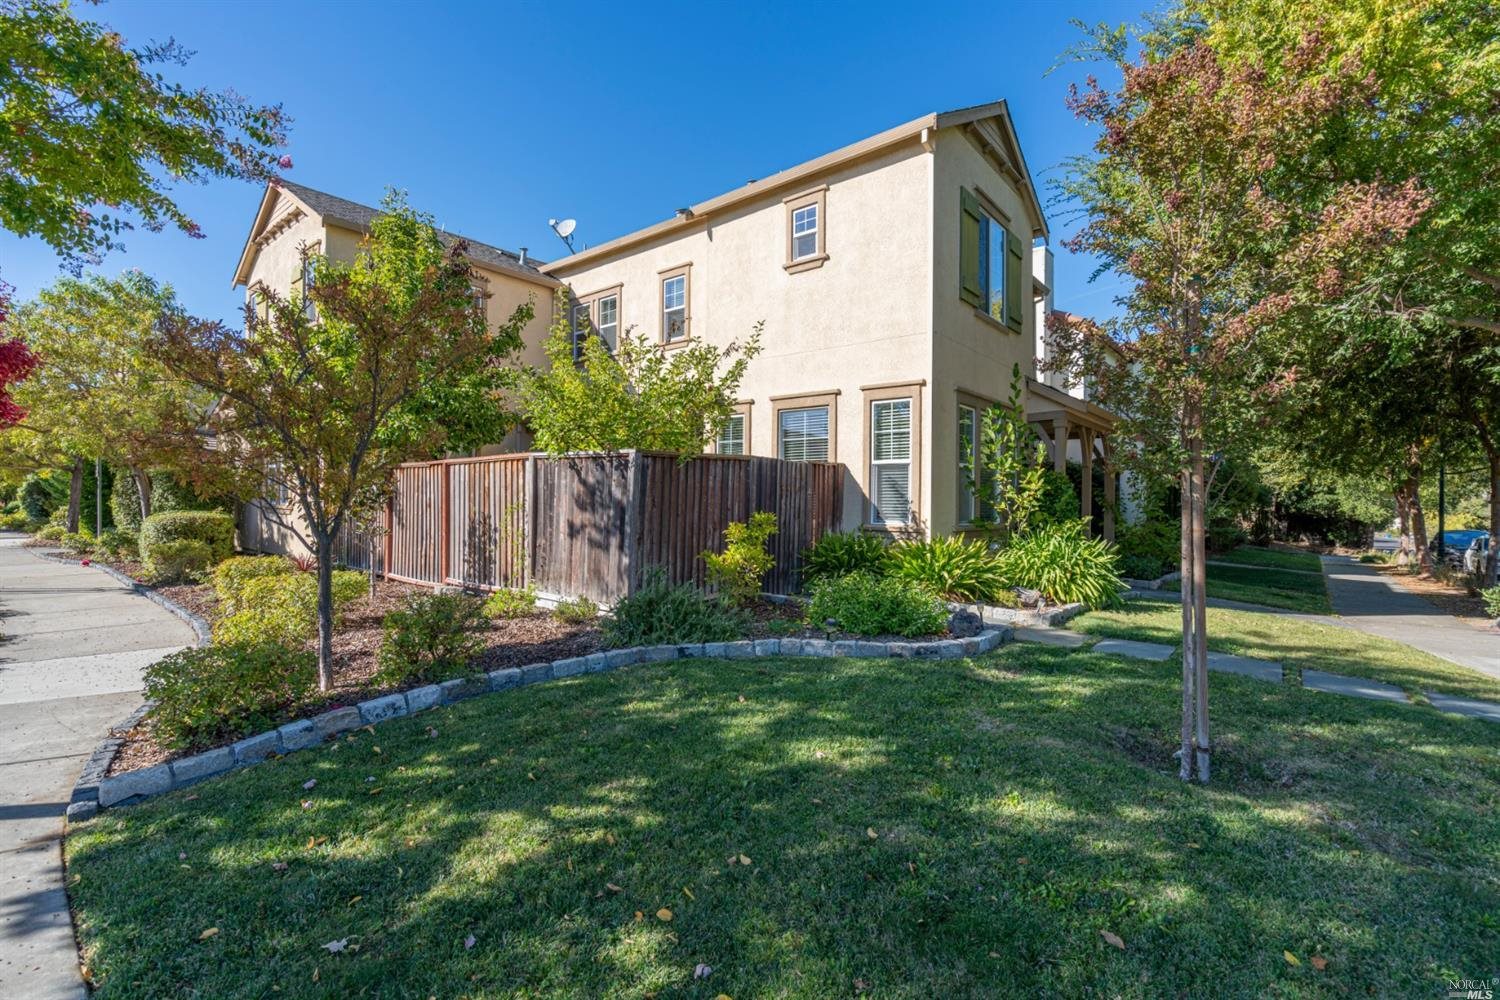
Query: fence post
[446, 501]
[390, 525]
[630, 550]
[528, 522]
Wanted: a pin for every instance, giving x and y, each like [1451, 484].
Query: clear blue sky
[495, 117]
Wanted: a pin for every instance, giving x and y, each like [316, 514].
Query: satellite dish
[565, 227]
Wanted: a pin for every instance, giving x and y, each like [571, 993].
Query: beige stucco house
[899, 279]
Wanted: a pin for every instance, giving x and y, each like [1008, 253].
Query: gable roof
[990, 124]
[352, 215]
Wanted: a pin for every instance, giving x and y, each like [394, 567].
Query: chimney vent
[523, 255]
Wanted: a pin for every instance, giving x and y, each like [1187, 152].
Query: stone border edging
[135, 786]
[1156, 584]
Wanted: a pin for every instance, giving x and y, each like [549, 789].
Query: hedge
[214, 529]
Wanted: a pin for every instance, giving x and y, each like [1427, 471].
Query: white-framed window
[968, 461]
[732, 437]
[608, 323]
[890, 461]
[802, 434]
[805, 232]
[674, 308]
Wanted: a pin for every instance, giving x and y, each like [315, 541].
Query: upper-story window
[991, 262]
[608, 322]
[598, 314]
[479, 299]
[806, 214]
[674, 305]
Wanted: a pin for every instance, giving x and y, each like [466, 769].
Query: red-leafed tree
[1210, 189]
[16, 362]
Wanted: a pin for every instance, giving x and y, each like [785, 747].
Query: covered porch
[1060, 419]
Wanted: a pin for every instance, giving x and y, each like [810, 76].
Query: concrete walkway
[75, 643]
[1367, 601]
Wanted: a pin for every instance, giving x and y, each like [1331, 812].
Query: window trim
[805, 401]
[817, 196]
[964, 493]
[975, 202]
[881, 393]
[685, 272]
[741, 410]
[591, 302]
[981, 405]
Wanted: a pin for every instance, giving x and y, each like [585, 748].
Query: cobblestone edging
[1027, 617]
[134, 786]
[1156, 584]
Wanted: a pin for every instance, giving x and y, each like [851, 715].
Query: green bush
[1065, 565]
[125, 502]
[577, 611]
[78, 541]
[511, 603]
[169, 493]
[952, 567]
[432, 638]
[116, 544]
[738, 572]
[204, 696]
[1058, 502]
[1224, 535]
[662, 613]
[865, 604]
[17, 521]
[214, 529]
[1491, 601]
[283, 608]
[51, 532]
[1149, 549]
[233, 574]
[181, 560]
[844, 552]
[41, 493]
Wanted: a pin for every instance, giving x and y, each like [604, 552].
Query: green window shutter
[970, 222]
[1015, 269]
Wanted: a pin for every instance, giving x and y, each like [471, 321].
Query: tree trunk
[1403, 525]
[1189, 639]
[143, 490]
[325, 611]
[1419, 521]
[75, 495]
[1200, 609]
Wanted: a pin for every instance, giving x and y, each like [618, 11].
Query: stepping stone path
[1464, 706]
[1354, 687]
[1245, 666]
[1132, 648]
[1052, 637]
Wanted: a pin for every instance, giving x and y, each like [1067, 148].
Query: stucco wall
[862, 318]
[972, 354]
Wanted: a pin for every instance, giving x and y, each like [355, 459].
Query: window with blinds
[802, 435]
[890, 461]
[732, 437]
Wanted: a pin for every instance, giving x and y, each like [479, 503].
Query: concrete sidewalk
[75, 644]
[1367, 601]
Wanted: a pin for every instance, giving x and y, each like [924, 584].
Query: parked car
[1455, 544]
[1477, 555]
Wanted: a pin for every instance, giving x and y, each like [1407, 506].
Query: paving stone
[254, 749]
[791, 647]
[620, 657]
[901, 650]
[767, 647]
[657, 654]
[1354, 687]
[1051, 637]
[299, 734]
[1134, 649]
[462, 688]
[422, 698]
[340, 720]
[925, 650]
[533, 673]
[595, 663]
[818, 647]
[742, 650]
[203, 765]
[509, 677]
[391, 706]
[992, 639]
[714, 649]
[949, 649]
[1464, 706]
[147, 781]
[569, 667]
[690, 649]
[1245, 666]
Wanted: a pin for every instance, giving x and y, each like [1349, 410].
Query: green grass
[1300, 644]
[1249, 555]
[1020, 805]
[1271, 587]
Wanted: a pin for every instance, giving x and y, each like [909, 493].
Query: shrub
[1491, 601]
[1065, 565]
[117, 544]
[432, 638]
[953, 567]
[51, 532]
[578, 611]
[870, 605]
[179, 561]
[283, 608]
[1223, 535]
[1149, 549]
[214, 529]
[17, 521]
[511, 603]
[41, 494]
[1058, 502]
[662, 613]
[205, 695]
[78, 541]
[231, 576]
[840, 553]
[125, 502]
[737, 572]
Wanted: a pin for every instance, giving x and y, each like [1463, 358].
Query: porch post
[1086, 498]
[1109, 487]
[1060, 444]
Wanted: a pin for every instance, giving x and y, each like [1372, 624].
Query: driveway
[1367, 601]
[75, 644]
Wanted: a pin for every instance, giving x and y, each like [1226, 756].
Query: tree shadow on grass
[1019, 805]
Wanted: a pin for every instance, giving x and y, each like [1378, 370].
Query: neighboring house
[900, 279]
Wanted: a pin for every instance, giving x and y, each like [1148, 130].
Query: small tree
[1011, 480]
[325, 408]
[16, 362]
[639, 396]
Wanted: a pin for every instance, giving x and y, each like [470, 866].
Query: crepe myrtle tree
[320, 405]
[1208, 189]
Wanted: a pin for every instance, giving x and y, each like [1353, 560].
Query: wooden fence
[592, 524]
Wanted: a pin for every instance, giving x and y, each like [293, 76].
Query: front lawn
[821, 828]
[1271, 587]
[1249, 555]
[1299, 643]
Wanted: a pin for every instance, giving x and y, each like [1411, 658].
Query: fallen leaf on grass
[639, 916]
[744, 860]
[702, 971]
[309, 784]
[182, 855]
[1319, 962]
[334, 947]
[375, 791]
[468, 942]
[688, 893]
[664, 914]
[612, 887]
[1290, 958]
[191, 797]
[307, 803]
[1113, 939]
[208, 934]
[870, 832]
[355, 899]
[278, 866]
